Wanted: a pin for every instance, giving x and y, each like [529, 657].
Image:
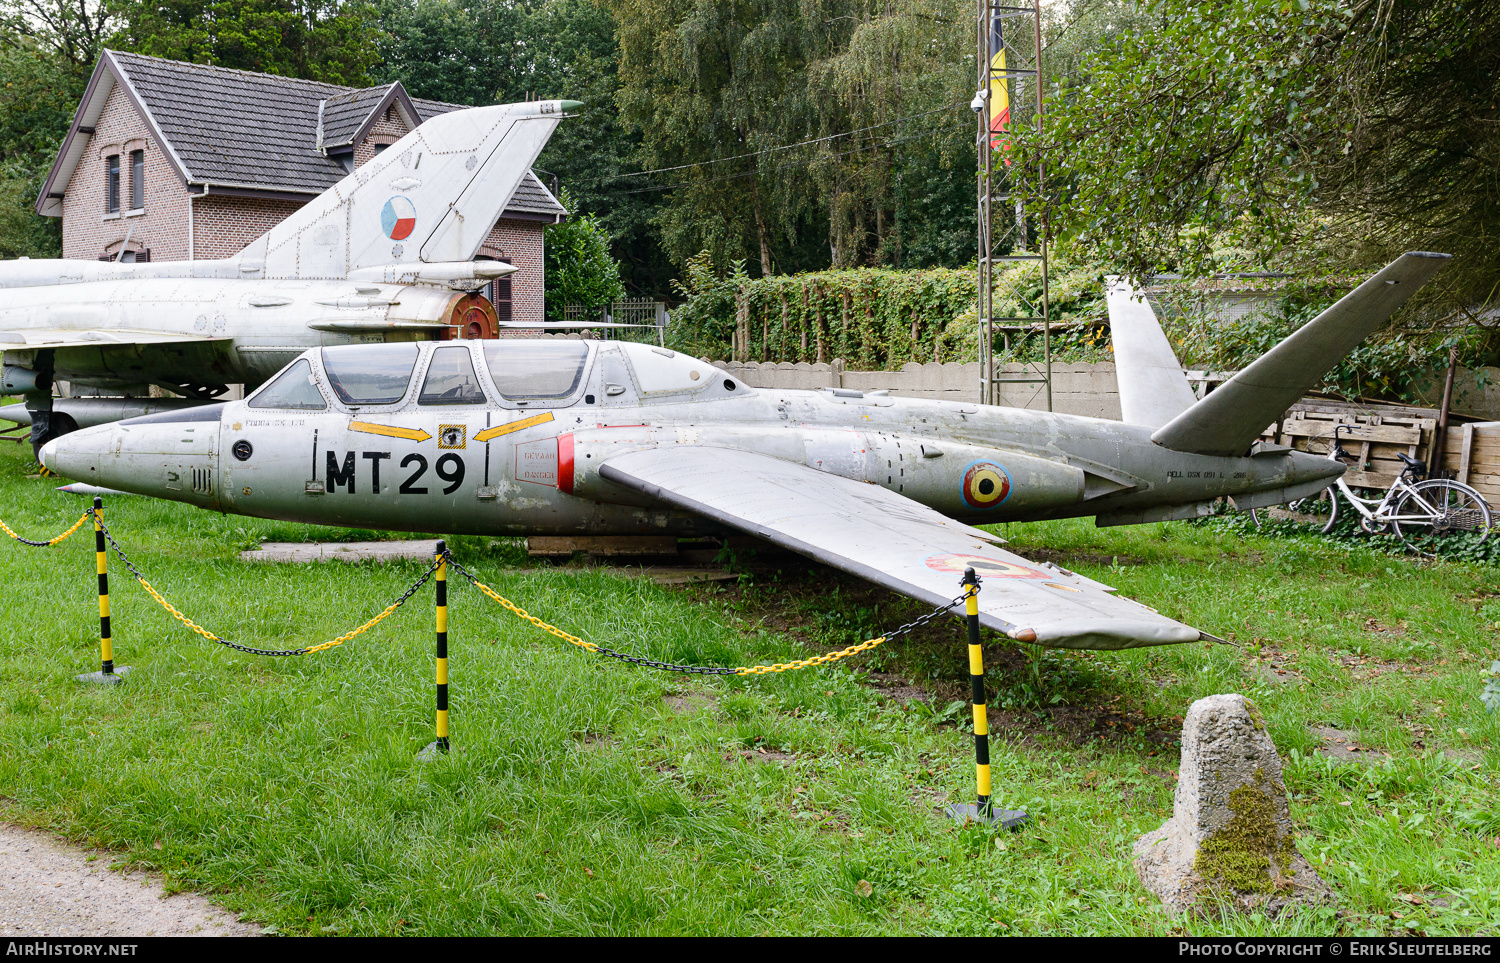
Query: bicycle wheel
[1439, 512]
[1321, 510]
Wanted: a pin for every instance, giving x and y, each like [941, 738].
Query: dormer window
[112, 184]
[137, 180]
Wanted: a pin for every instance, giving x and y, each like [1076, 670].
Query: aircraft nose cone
[76, 455]
[1307, 467]
[155, 455]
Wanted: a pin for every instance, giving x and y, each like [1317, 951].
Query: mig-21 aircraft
[560, 436]
[386, 254]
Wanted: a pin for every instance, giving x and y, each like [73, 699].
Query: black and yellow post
[984, 810]
[108, 673]
[440, 580]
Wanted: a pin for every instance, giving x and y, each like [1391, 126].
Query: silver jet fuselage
[208, 331]
[504, 438]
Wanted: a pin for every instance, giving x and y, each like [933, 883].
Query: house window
[498, 291]
[112, 184]
[137, 179]
[128, 257]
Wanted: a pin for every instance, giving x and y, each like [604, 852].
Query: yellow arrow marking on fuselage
[415, 434]
[499, 430]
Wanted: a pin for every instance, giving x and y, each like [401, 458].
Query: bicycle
[1425, 513]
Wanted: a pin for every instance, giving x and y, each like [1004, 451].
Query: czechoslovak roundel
[398, 218]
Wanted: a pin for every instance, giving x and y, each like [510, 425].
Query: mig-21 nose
[170, 455]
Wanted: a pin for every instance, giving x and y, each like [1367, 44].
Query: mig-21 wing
[891, 540]
[35, 338]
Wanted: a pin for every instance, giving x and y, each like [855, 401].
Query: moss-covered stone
[1256, 719]
[1243, 855]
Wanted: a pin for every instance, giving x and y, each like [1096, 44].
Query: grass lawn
[589, 796]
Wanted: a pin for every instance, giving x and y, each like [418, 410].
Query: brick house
[176, 161]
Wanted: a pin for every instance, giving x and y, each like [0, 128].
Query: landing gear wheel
[1437, 513]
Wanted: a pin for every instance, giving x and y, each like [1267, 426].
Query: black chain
[716, 669]
[412, 590]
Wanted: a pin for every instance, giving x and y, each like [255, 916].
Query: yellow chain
[545, 627]
[309, 651]
[740, 670]
[51, 541]
[808, 663]
[353, 632]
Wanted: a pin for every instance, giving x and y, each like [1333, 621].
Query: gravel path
[48, 888]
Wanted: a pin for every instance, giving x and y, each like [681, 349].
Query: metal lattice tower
[1003, 28]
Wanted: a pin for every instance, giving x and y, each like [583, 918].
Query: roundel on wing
[398, 218]
[986, 484]
[987, 567]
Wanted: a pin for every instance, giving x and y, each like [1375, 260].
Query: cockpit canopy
[510, 373]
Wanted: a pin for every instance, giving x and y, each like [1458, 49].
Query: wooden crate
[1374, 437]
[1471, 454]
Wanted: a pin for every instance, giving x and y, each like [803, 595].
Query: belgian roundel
[986, 484]
[398, 218]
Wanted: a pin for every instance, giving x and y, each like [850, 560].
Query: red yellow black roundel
[987, 567]
[986, 484]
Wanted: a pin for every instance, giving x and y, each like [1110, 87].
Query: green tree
[1308, 132]
[902, 182]
[471, 52]
[329, 40]
[579, 269]
[870, 92]
[712, 87]
[73, 30]
[38, 94]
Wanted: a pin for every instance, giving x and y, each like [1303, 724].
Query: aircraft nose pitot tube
[172, 455]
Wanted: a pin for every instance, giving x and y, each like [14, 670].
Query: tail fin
[433, 196]
[1153, 389]
[1229, 420]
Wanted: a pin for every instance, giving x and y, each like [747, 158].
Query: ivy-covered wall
[878, 319]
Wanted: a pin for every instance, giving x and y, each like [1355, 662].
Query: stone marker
[1229, 841]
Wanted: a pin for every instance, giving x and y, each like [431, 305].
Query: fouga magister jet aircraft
[383, 255]
[558, 436]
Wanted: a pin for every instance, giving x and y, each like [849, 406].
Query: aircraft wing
[893, 541]
[75, 338]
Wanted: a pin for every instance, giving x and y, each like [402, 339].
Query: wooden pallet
[1373, 438]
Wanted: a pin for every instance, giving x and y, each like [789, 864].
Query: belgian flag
[999, 99]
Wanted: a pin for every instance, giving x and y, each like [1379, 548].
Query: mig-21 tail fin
[432, 197]
[1229, 419]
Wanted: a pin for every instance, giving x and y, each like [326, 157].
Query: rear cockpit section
[537, 374]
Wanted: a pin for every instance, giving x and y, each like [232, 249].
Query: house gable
[236, 132]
